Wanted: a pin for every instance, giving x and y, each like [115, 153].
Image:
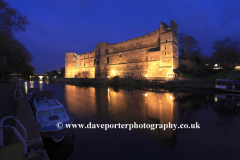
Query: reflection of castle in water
[124, 106]
[145, 107]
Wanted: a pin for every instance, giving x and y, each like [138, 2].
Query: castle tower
[168, 49]
[69, 63]
[100, 56]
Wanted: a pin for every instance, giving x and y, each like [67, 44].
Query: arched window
[83, 63]
[107, 59]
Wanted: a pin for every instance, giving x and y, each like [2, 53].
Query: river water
[217, 115]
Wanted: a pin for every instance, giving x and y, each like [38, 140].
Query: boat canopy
[33, 89]
[45, 93]
[229, 78]
[235, 75]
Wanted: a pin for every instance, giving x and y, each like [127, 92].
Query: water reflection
[163, 109]
[31, 84]
[40, 85]
[81, 102]
[227, 106]
[228, 100]
[26, 87]
[217, 114]
[125, 106]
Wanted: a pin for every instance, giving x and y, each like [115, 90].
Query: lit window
[216, 65]
[77, 57]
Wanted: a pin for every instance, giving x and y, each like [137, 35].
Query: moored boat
[50, 115]
[229, 84]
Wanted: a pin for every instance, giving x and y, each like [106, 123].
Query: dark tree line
[225, 53]
[188, 48]
[14, 57]
[56, 74]
[189, 54]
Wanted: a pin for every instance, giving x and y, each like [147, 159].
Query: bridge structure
[35, 76]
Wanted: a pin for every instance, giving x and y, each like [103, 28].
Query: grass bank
[222, 75]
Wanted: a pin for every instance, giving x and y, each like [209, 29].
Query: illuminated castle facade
[154, 55]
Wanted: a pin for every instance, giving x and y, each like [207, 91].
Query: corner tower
[69, 63]
[168, 49]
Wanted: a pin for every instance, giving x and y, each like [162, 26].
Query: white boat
[50, 115]
[229, 84]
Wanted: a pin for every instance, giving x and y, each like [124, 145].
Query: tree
[11, 20]
[189, 66]
[53, 74]
[14, 57]
[188, 48]
[226, 52]
[62, 72]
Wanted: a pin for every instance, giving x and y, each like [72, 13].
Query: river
[216, 116]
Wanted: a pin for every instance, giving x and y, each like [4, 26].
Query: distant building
[154, 55]
[217, 66]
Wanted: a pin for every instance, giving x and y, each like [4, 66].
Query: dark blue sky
[60, 26]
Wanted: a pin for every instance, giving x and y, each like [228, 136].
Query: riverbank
[13, 148]
[186, 83]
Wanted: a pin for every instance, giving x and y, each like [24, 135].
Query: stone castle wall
[154, 55]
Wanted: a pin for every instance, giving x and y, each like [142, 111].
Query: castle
[154, 55]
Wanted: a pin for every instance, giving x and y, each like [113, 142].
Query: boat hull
[54, 132]
[56, 136]
[230, 90]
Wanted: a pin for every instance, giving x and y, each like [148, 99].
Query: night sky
[60, 26]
